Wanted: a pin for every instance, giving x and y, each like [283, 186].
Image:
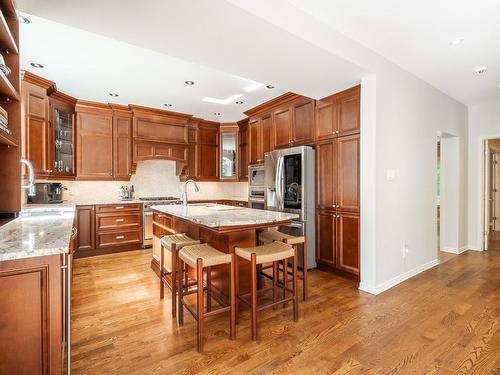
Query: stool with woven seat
[275, 235]
[201, 257]
[271, 252]
[172, 243]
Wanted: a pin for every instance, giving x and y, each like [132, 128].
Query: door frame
[482, 194]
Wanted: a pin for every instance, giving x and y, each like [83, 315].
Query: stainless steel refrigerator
[289, 181]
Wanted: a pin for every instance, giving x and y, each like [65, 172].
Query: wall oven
[256, 197]
[256, 175]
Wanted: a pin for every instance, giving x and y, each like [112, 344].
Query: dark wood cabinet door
[94, 146]
[208, 153]
[267, 135]
[85, 225]
[37, 130]
[122, 148]
[326, 119]
[255, 141]
[282, 127]
[303, 122]
[347, 249]
[243, 151]
[31, 316]
[348, 173]
[349, 111]
[325, 237]
[326, 172]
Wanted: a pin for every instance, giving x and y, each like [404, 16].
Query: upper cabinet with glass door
[62, 148]
[229, 152]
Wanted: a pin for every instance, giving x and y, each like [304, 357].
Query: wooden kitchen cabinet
[122, 143]
[347, 242]
[255, 144]
[338, 115]
[267, 134]
[326, 172]
[302, 121]
[282, 118]
[31, 291]
[347, 157]
[208, 151]
[94, 145]
[326, 237]
[243, 149]
[36, 123]
[228, 163]
[85, 224]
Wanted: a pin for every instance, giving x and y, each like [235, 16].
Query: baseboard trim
[455, 250]
[375, 290]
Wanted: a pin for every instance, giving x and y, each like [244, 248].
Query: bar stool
[275, 235]
[272, 252]
[204, 256]
[173, 243]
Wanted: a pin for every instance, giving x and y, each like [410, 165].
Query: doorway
[448, 195]
[492, 194]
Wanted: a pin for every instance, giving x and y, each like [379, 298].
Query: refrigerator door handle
[282, 184]
[277, 183]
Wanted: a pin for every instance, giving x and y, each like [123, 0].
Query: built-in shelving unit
[10, 101]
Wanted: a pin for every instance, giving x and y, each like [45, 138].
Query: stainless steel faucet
[31, 179]
[185, 194]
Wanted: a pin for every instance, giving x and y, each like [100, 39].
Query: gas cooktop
[168, 198]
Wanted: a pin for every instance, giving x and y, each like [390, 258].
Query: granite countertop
[38, 231]
[217, 215]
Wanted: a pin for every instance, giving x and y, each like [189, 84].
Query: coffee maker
[47, 193]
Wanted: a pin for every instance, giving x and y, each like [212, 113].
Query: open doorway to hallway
[448, 196]
[492, 194]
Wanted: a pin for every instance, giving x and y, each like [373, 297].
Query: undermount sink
[215, 207]
[201, 204]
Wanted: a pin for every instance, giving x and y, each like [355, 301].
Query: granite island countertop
[43, 230]
[218, 215]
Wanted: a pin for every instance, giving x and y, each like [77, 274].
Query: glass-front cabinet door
[228, 153]
[63, 141]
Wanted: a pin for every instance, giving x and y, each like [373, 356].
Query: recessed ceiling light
[239, 102]
[480, 70]
[270, 86]
[217, 113]
[23, 19]
[36, 65]
[456, 42]
[114, 95]
[167, 105]
[189, 83]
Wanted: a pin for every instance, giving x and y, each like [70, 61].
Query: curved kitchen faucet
[185, 194]
[31, 179]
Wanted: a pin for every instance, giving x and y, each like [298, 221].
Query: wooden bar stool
[272, 252]
[173, 243]
[204, 256]
[275, 235]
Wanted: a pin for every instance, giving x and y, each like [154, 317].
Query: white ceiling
[416, 35]
[145, 50]
[212, 41]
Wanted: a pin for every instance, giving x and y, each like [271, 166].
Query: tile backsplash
[153, 178]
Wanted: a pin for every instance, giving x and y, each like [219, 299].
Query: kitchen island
[223, 227]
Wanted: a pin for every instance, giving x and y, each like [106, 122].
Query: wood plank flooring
[444, 321]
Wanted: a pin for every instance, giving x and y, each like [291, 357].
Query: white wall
[407, 113]
[484, 122]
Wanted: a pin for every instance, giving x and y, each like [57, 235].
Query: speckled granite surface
[217, 215]
[41, 230]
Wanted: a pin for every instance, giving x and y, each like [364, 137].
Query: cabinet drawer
[119, 239]
[162, 219]
[118, 207]
[119, 221]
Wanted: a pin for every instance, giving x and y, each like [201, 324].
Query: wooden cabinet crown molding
[34, 79]
[120, 110]
[273, 103]
[140, 111]
[93, 107]
[63, 98]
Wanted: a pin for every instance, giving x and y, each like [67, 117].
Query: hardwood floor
[444, 321]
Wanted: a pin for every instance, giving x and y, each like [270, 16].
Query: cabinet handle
[120, 237]
[119, 220]
[119, 207]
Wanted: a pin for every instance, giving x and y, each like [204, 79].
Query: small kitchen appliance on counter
[47, 193]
